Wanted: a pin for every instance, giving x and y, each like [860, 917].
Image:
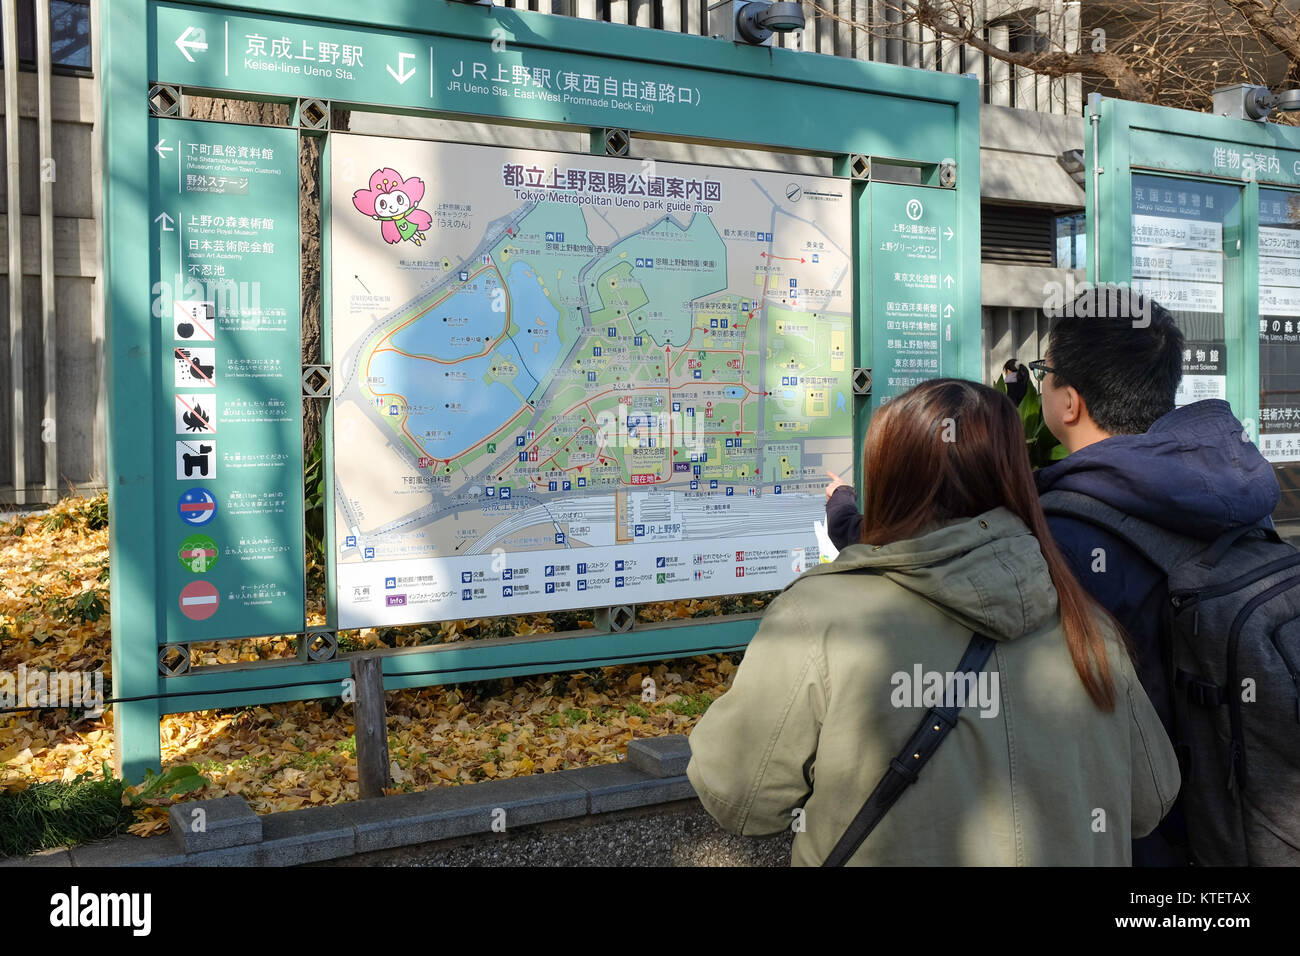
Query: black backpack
[1231, 637]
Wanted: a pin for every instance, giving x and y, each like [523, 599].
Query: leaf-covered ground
[54, 615]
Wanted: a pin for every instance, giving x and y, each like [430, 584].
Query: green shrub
[94, 513]
[55, 814]
[1041, 444]
[56, 521]
[85, 607]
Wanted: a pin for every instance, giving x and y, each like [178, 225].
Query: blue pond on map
[442, 413]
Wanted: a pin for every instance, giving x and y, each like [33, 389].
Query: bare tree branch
[1172, 52]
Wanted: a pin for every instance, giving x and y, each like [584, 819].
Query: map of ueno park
[569, 381]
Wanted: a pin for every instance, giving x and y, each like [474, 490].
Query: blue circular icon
[197, 506]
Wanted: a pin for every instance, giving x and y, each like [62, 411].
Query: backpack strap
[1162, 548]
[906, 766]
[1215, 552]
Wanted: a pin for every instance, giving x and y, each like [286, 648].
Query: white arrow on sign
[166, 221]
[160, 149]
[947, 280]
[402, 74]
[192, 39]
[947, 232]
[947, 311]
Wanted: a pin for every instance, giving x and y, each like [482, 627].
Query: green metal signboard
[501, 67]
[223, 208]
[915, 258]
[1202, 212]
[489, 306]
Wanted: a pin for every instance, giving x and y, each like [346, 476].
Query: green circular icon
[198, 553]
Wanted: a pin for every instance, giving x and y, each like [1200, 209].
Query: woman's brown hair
[949, 449]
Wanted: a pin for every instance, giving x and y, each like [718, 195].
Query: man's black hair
[1122, 352]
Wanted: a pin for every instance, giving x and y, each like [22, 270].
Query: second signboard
[1185, 238]
[228, 419]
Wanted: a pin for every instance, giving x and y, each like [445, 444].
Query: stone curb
[315, 834]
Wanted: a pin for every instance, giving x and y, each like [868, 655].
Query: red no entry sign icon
[199, 600]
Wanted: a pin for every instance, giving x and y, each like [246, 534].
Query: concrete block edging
[233, 835]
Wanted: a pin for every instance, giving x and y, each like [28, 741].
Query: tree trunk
[309, 222]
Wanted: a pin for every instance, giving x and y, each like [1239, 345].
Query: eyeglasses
[1040, 370]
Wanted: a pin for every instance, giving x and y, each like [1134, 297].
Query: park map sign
[572, 381]
[549, 380]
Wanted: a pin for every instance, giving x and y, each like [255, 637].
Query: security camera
[757, 20]
[1244, 101]
[754, 21]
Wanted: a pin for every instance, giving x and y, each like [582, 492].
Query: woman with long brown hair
[955, 609]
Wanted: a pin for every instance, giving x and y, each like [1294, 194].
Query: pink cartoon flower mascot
[394, 201]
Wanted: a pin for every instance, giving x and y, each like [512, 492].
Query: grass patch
[86, 808]
[90, 605]
[54, 814]
[690, 706]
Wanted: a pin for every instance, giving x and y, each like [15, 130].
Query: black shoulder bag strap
[906, 766]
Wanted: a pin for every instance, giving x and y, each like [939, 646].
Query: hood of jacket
[987, 573]
[1190, 473]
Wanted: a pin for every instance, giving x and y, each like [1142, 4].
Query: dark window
[26, 33]
[1022, 37]
[70, 33]
[69, 36]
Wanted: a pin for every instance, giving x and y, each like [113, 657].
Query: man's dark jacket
[1190, 473]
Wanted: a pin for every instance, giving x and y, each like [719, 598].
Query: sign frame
[1126, 138]
[928, 121]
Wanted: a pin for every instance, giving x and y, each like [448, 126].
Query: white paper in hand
[828, 550]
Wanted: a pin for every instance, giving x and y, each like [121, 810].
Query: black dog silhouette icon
[197, 462]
